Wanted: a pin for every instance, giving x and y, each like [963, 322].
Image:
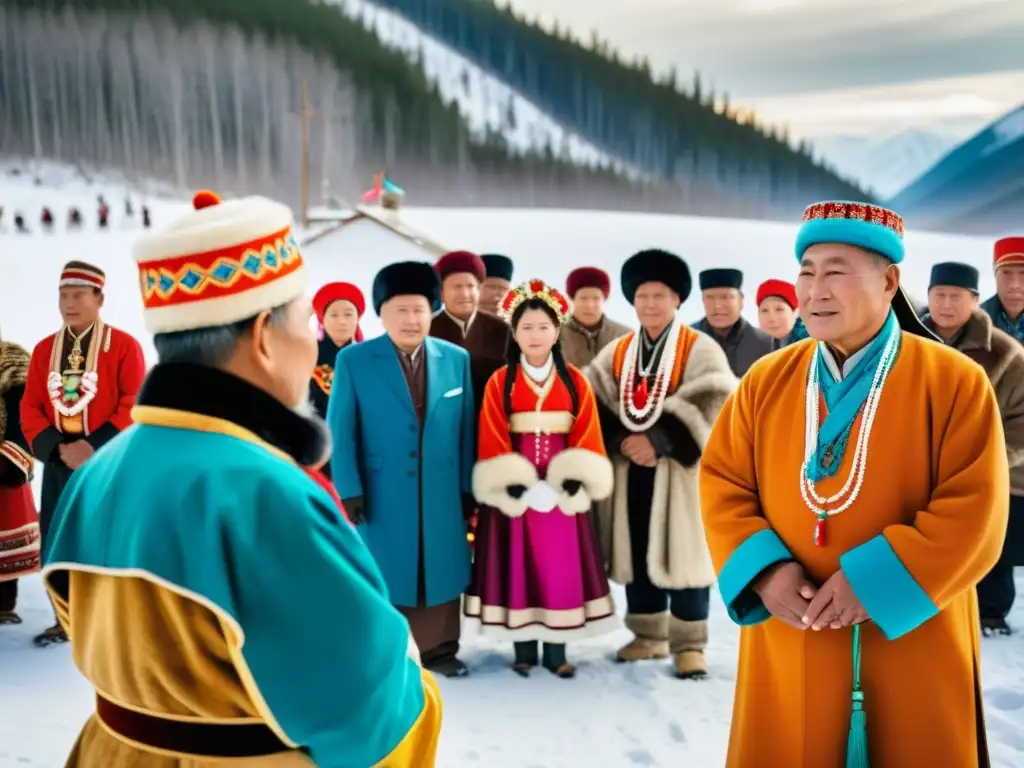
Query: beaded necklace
[847, 495]
[638, 406]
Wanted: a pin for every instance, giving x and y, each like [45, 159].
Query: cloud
[956, 105]
[759, 48]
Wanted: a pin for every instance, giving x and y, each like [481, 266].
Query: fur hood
[14, 362]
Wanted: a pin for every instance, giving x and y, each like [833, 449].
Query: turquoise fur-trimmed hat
[860, 224]
[865, 226]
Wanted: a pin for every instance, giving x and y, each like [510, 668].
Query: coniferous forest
[672, 127]
[207, 92]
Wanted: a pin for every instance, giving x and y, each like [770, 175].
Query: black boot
[995, 626]
[554, 661]
[51, 636]
[527, 657]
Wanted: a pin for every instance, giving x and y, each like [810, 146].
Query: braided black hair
[514, 353]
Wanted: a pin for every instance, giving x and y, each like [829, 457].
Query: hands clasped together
[640, 450]
[75, 454]
[789, 596]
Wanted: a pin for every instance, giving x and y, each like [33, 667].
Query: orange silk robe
[927, 525]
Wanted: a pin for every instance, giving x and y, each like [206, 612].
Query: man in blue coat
[401, 415]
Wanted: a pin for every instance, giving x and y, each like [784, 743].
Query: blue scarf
[799, 331]
[844, 400]
[1005, 324]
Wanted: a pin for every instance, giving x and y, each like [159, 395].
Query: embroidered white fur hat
[218, 264]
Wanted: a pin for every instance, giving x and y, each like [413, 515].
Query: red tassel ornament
[640, 394]
[820, 537]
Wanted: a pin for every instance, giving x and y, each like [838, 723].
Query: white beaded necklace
[860, 454]
[639, 419]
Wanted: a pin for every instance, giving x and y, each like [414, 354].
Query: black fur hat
[498, 266]
[655, 266]
[720, 278]
[956, 274]
[407, 278]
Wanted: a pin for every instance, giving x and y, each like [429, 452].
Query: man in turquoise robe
[402, 419]
[213, 593]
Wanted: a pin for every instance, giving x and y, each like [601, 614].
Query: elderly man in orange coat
[850, 561]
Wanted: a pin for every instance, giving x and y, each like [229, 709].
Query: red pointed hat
[1009, 250]
[778, 288]
[333, 292]
[588, 277]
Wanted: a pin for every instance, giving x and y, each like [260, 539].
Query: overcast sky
[828, 68]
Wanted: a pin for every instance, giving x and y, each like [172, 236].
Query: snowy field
[611, 715]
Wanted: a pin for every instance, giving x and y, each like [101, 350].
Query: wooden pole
[306, 116]
[305, 154]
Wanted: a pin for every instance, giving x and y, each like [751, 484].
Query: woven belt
[190, 738]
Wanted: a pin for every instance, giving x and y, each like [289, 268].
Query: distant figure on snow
[104, 214]
[74, 218]
[145, 217]
[128, 210]
[46, 219]
[19, 223]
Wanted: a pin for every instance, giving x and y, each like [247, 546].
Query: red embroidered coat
[19, 521]
[120, 368]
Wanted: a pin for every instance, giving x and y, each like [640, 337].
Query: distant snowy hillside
[885, 165]
[978, 187]
[486, 103]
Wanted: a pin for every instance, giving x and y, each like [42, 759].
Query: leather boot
[651, 641]
[687, 641]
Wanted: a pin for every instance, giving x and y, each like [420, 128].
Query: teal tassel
[857, 742]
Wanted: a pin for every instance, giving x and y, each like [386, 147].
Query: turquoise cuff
[758, 552]
[889, 594]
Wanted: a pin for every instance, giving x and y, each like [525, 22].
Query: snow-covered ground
[485, 101]
[611, 715]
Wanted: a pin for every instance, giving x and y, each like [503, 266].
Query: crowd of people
[48, 221]
[271, 543]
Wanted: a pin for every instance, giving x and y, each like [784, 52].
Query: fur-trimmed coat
[677, 554]
[15, 457]
[581, 345]
[1002, 357]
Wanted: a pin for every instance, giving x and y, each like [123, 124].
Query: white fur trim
[592, 629]
[591, 469]
[227, 309]
[677, 555]
[492, 477]
[227, 224]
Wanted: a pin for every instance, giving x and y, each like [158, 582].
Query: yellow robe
[927, 525]
[131, 572]
[195, 678]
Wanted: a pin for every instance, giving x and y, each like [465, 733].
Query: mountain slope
[489, 106]
[622, 110]
[208, 93]
[976, 188]
[885, 164]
